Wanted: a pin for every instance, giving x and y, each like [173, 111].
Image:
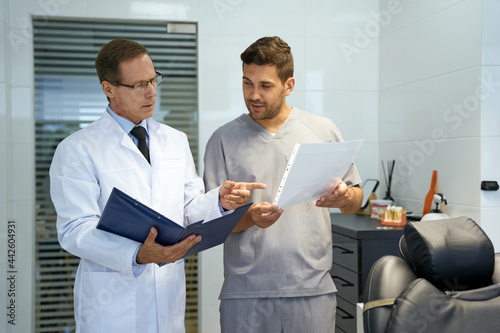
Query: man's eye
[266, 87]
[143, 84]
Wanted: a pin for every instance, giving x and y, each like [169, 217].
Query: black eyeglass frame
[133, 86]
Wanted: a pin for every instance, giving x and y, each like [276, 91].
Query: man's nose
[151, 90]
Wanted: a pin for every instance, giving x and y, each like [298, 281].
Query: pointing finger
[255, 186]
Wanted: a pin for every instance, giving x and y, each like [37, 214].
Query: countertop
[363, 227]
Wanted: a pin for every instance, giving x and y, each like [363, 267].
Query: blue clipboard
[130, 218]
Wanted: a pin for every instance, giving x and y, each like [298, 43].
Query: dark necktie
[140, 133]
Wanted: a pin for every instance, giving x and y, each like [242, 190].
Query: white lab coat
[112, 294]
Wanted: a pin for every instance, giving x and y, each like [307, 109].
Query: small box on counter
[378, 208]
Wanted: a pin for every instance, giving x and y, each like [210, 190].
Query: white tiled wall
[4, 185]
[396, 92]
[490, 117]
[407, 12]
[439, 80]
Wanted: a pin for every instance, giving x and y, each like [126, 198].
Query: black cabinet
[358, 241]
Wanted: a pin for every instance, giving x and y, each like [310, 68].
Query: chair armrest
[387, 278]
[496, 273]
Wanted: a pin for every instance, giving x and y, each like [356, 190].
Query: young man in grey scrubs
[276, 262]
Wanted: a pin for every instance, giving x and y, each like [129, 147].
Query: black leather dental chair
[447, 281]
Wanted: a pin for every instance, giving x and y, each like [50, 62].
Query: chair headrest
[452, 254]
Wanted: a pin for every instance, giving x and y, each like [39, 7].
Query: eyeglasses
[143, 85]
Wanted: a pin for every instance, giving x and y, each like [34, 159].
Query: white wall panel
[432, 88]
[211, 277]
[179, 10]
[490, 224]
[298, 98]
[3, 261]
[490, 106]
[339, 18]
[4, 169]
[20, 48]
[445, 106]
[491, 27]
[490, 120]
[219, 107]
[22, 119]
[368, 163]
[457, 164]
[3, 44]
[20, 12]
[220, 67]
[300, 53]
[4, 159]
[397, 14]
[3, 113]
[255, 18]
[22, 175]
[354, 112]
[490, 169]
[210, 283]
[327, 67]
[474, 212]
[438, 44]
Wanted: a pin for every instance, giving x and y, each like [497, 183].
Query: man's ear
[108, 88]
[289, 85]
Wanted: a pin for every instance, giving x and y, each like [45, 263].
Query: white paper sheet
[315, 169]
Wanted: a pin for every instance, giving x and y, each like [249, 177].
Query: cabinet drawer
[346, 282]
[339, 330]
[345, 251]
[345, 316]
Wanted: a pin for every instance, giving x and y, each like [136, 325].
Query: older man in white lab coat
[118, 286]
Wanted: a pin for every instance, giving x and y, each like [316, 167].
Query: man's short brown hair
[112, 54]
[271, 51]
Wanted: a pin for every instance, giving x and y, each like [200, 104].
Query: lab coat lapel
[127, 142]
[119, 134]
[157, 141]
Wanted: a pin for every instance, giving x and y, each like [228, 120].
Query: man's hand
[348, 199]
[152, 252]
[262, 214]
[233, 195]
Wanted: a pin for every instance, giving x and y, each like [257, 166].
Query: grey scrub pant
[279, 315]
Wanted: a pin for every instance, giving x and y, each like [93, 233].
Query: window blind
[68, 96]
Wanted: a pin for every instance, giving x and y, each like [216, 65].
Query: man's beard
[269, 112]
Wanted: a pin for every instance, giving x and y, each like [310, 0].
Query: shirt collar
[125, 124]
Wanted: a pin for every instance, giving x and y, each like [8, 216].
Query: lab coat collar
[124, 123]
[118, 132]
[153, 128]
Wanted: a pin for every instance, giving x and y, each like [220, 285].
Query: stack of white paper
[315, 169]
